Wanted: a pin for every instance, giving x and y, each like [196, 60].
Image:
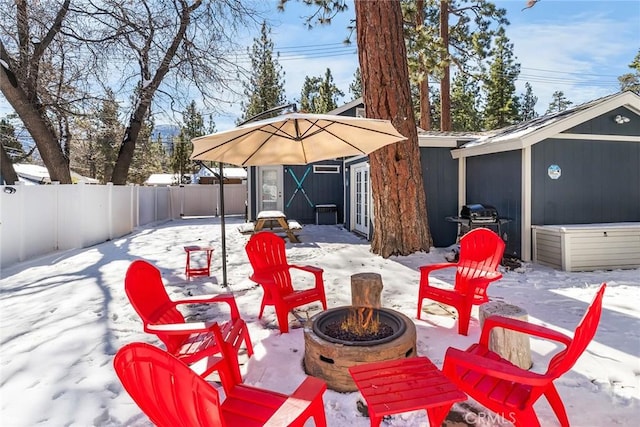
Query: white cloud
[581, 56]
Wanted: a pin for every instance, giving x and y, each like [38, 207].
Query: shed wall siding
[599, 182]
[605, 125]
[496, 180]
[440, 176]
[319, 189]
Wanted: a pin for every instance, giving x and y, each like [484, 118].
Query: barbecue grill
[477, 215]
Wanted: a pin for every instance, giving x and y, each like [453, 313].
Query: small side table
[205, 270]
[404, 385]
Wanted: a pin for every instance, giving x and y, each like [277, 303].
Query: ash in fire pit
[338, 331]
[358, 325]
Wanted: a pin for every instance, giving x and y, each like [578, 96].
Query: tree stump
[366, 290]
[511, 345]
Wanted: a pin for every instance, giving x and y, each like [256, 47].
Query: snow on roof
[228, 172]
[163, 179]
[29, 173]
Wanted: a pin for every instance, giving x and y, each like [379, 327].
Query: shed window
[326, 168]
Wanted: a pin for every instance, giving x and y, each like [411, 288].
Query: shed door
[270, 185]
[361, 188]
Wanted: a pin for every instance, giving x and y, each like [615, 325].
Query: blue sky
[578, 47]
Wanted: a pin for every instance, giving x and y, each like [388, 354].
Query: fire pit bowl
[329, 358]
[391, 319]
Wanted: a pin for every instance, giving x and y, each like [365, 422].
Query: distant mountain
[166, 131]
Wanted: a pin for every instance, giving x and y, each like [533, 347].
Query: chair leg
[464, 317]
[262, 305]
[420, 299]
[556, 404]
[283, 319]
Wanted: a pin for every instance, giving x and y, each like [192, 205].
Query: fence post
[20, 203]
[134, 205]
[110, 209]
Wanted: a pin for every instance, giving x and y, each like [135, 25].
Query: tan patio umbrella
[295, 139]
[292, 139]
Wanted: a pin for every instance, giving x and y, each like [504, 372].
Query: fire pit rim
[392, 315]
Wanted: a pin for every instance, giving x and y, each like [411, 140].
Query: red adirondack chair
[191, 342]
[172, 395]
[481, 252]
[509, 390]
[271, 270]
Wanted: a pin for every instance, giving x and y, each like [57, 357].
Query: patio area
[63, 317]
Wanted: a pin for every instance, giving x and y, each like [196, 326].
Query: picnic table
[274, 221]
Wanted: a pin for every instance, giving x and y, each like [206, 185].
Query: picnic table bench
[275, 221]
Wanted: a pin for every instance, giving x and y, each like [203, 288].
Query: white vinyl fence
[38, 219]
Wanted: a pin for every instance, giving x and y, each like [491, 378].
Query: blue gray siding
[319, 189]
[495, 179]
[440, 176]
[599, 181]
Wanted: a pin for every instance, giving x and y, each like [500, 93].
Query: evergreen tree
[440, 34]
[528, 104]
[355, 87]
[465, 99]
[109, 135]
[502, 104]
[265, 88]
[631, 81]
[309, 94]
[558, 103]
[192, 127]
[319, 94]
[8, 139]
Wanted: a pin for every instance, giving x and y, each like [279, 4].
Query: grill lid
[477, 212]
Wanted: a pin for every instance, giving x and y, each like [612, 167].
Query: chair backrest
[267, 255]
[481, 251]
[584, 333]
[148, 296]
[166, 389]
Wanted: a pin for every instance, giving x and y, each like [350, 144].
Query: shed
[440, 176]
[578, 166]
[302, 191]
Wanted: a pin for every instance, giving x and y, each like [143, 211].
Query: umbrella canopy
[291, 139]
[295, 139]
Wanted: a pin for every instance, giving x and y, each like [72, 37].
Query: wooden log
[511, 345]
[366, 290]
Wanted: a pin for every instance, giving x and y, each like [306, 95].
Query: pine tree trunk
[445, 82]
[425, 103]
[399, 206]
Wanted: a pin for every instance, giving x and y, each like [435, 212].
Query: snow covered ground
[63, 317]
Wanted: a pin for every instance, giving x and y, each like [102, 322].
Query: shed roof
[535, 130]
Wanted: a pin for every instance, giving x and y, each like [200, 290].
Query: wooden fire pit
[329, 358]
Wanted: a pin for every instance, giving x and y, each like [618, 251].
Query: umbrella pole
[223, 236]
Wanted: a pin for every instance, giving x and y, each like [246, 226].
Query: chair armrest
[179, 328]
[296, 404]
[208, 299]
[496, 321]
[457, 358]
[426, 269]
[309, 268]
